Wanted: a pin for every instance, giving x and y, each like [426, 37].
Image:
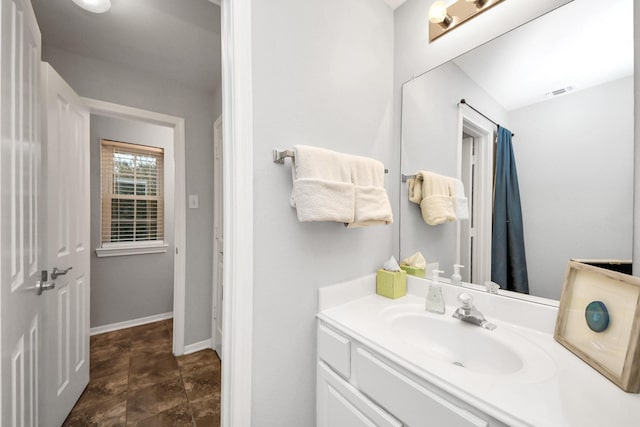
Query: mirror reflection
[563, 84]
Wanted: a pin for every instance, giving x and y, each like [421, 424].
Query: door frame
[482, 131]
[218, 210]
[118, 111]
[237, 141]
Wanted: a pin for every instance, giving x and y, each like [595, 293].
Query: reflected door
[475, 154]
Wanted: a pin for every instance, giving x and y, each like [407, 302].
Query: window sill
[131, 250]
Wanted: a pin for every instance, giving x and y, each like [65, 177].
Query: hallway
[136, 381]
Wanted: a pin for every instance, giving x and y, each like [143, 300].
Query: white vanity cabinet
[356, 386]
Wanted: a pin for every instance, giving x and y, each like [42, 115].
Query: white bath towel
[437, 204]
[372, 205]
[461, 202]
[415, 189]
[322, 187]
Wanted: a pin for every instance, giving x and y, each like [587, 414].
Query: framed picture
[599, 321]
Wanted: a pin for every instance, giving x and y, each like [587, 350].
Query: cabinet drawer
[412, 403]
[341, 405]
[335, 350]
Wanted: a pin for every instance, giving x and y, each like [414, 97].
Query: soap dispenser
[435, 301]
[456, 278]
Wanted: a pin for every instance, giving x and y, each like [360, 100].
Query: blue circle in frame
[597, 316]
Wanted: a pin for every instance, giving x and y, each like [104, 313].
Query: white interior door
[475, 169]
[218, 237]
[66, 308]
[467, 231]
[21, 214]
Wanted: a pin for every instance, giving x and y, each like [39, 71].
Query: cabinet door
[341, 405]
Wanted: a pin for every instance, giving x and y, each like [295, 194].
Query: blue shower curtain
[508, 260]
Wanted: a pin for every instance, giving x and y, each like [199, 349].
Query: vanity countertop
[554, 387]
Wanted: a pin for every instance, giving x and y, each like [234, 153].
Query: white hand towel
[322, 188]
[437, 204]
[461, 202]
[372, 205]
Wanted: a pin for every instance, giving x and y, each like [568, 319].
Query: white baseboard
[197, 346]
[130, 323]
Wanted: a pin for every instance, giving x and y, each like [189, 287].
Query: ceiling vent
[560, 91]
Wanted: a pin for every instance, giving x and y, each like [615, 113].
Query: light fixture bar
[460, 12]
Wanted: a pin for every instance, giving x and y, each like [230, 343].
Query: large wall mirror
[563, 84]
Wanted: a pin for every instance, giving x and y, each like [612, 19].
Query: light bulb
[438, 12]
[95, 6]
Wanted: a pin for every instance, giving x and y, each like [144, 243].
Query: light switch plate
[193, 201]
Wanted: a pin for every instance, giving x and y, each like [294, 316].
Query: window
[132, 186]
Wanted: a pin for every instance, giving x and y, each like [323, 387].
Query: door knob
[43, 284]
[59, 272]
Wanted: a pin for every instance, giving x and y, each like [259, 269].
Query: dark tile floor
[136, 381]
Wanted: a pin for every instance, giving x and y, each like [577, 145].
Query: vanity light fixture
[438, 14]
[443, 19]
[94, 6]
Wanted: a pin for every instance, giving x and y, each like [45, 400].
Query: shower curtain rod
[463, 101]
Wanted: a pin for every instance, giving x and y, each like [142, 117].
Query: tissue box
[391, 284]
[414, 271]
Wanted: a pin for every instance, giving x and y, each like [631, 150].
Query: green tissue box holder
[414, 271]
[391, 284]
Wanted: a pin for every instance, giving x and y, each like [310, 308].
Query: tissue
[415, 265]
[416, 260]
[391, 264]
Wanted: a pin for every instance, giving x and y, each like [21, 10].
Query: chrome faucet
[469, 313]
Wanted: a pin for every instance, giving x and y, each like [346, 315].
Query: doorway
[176, 228]
[475, 170]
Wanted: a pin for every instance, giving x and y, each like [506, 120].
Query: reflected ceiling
[542, 62]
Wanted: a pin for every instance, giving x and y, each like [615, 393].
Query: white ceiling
[582, 44]
[177, 40]
[395, 3]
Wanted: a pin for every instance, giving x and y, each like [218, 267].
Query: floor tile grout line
[184, 387]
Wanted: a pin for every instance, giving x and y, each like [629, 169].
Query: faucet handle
[466, 300]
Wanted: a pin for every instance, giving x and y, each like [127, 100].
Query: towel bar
[406, 177]
[279, 156]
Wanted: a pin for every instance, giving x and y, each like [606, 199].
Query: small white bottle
[435, 301]
[456, 278]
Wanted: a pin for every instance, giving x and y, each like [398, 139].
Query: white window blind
[132, 193]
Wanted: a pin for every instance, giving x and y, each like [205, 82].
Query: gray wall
[134, 286]
[322, 75]
[110, 82]
[575, 169]
[430, 142]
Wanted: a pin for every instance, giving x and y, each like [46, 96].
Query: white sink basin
[457, 342]
[462, 345]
